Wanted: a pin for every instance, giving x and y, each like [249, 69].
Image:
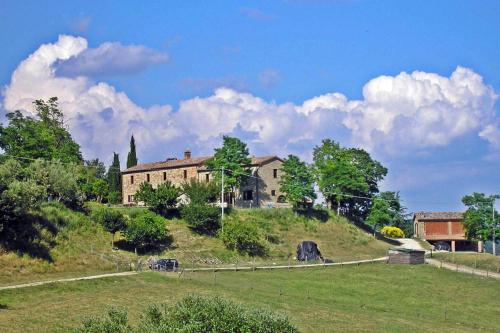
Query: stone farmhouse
[261, 191]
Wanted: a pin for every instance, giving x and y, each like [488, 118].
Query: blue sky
[272, 57]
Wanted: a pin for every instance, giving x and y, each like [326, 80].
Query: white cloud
[402, 113]
[100, 118]
[109, 59]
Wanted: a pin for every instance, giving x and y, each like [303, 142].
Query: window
[273, 193]
[164, 176]
[131, 180]
[207, 177]
[275, 173]
[147, 177]
[248, 195]
[129, 198]
[185, 174]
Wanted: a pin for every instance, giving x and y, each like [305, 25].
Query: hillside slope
[77, 246]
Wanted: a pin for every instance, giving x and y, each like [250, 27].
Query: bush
[393, 232]
[146, 230]
[114, 197]
[159, 200]
[244, 238]
[203, 219]
[200, 193]
[193, 314]
[110, 219]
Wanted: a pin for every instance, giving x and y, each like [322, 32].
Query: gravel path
[410, 243]
[92, 277]
[461, 268]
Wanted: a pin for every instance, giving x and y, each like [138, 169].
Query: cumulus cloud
[109, 59]
[100, 118]
[397, 114]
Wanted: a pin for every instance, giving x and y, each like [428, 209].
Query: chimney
[187, 154]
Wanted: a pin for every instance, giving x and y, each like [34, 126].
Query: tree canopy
[234, 157]
[478, 219]
[114, 178]
[297, 181]
[42, 137]
[347, 177]
[158, 199]
[132, 155]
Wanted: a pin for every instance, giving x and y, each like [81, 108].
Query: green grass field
[474, 260]
[368, 298]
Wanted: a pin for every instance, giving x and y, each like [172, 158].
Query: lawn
[368, 298]
[484, 261]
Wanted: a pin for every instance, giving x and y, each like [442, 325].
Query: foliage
[297, 181]
[478, 219]
[202, 218]
[19, 198]
[114, 178]
[146, 230]
[132, 155]
[201, 192]
[60, 180]
[192, 314]
[114, 197]
[233, 157]
[347, 177]
[160, 199]
[115, 321]
[43, 137]
[244, 238]
[379, 213]
[393, 232]
[111, 220]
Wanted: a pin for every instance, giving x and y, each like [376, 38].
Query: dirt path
[461, 268]
[92, 277]
[410, 243]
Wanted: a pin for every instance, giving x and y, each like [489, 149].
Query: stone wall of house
[156, 177]
[266, 189]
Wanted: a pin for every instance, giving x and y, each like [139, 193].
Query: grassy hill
[368, 298]
[76, 245]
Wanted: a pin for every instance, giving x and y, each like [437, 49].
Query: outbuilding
[406, 256]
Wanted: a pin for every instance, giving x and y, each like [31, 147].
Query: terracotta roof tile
[439, 215]
[194, 161]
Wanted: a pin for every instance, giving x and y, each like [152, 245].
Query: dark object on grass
[165, 265]
[442, 246]
[308, 250]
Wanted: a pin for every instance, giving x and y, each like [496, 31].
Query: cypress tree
[114, 179]
[132, 156]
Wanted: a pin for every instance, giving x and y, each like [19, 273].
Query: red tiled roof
[194, 161]
[439, 216]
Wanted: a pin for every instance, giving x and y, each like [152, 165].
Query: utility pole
[222, 200]
[494, 227]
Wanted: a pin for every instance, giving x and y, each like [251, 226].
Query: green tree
[202, 218]
[244, 238]
[100, 189]
[347, 177]
[19, 198]
[201, 192]
[146, 230]
[60, 181]
[379, 213]
[233, 157]
[159, 200]
[478, 219]
[111, 220]
[43, 137]
[297, 181]
[114, 178]
[132, 156]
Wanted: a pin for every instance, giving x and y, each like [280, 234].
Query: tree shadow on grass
[318, 214]
[33, 235]
[152, 249]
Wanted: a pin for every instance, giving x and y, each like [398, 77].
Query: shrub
[110, 219]
[203, 219]
[393, 232]
[193, 314]
[160, 199]
[146, 230]
[114, 197]
[200, 193]
[244, 238]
